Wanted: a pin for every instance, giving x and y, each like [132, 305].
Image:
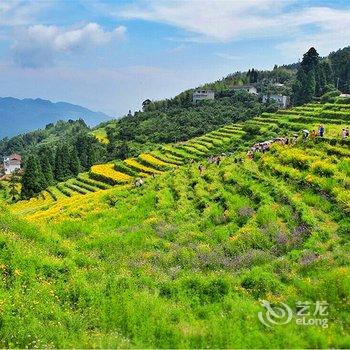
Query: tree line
[314, 78]
[49, 165]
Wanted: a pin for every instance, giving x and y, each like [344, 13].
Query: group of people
[214, 160]
[211, 160]
[264, 146]
[320, 132]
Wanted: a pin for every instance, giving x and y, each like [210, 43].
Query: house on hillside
[282, 100]
[250, 88]
[201, 95]
[12, 163]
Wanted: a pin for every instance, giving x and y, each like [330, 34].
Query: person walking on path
[201, 169]
[305, 135]
[321, 130]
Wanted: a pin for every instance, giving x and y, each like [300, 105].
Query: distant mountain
[19, 116]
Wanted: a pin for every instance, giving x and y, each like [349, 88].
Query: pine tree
[298, 87]
[310, 60]
[62, 163]
[310, 86]
[310, 79]
[123, 151]
[46, 169]
[328, 71]
[32, 178]
[74, 162]
[85, 147]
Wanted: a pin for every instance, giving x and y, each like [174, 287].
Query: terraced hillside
[232, 138]
[183, 261]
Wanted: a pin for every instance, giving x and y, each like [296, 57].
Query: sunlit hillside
[229, 139]
[184, 260]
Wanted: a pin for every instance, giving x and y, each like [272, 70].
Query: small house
[250, 88]
[200, 95]
[282, 100]
[12, 163]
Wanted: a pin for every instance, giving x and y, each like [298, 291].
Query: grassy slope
[184, 260]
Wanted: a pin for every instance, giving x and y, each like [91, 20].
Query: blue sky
[111, 55]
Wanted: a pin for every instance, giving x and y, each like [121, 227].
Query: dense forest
[48, 165]
[178, 119]
[55, 153]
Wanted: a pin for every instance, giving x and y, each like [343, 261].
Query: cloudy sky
[111, 55]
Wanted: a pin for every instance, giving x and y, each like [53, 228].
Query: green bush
[119, 166]
[259, 282]
[251, 130]
[323, 168]
[330, 96]
[343, 100]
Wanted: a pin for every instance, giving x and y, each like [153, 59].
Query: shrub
[251, 130]
[323, 168]
[119, 166]
[295, 158]
[64, 190]
[260, 282]
[330, 96]
[343, 100]
[149, 160]
[93, 183]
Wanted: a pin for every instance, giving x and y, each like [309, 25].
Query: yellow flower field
[133, 163]
[107, 171]
[157, 163]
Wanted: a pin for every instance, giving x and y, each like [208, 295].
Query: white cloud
[215, 20]
[222, 21]
[39, 45]
[19, 12]
[333, 32]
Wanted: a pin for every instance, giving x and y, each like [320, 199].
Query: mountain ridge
[18, 116]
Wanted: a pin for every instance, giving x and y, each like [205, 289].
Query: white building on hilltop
[200, 95]
[250, 88]
[282, 100]
[12, 163]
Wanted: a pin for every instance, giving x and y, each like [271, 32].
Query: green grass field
[184, 260]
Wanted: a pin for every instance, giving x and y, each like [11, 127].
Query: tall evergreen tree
[47, 163]
[74, 162]
[310, 60]
[310, 79]
[62, 163]
[46, 170]
[32, 178]
[85, 147]
[310, 85]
